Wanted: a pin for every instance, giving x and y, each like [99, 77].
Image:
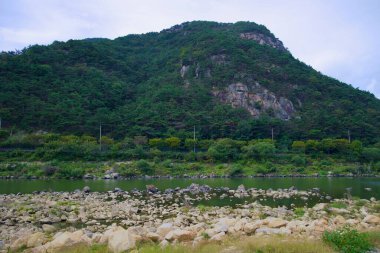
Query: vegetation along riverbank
[45, 155]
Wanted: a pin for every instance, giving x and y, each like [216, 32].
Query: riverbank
[124, 220]
[157, 169]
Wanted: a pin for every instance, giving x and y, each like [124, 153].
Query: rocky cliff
[263, 39]
[256, 100]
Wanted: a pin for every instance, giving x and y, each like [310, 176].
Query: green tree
[173, 142]
[299, 146]
[260, 150]
[223, 150]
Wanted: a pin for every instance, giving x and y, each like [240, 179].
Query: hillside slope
[229, 80]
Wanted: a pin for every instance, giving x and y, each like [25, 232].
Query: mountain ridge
[230, 80]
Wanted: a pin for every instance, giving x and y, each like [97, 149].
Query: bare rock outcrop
[256, 100]
[263, 39]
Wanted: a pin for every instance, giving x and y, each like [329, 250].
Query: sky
[340, 38]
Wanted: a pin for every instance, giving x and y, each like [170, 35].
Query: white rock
[36, 239]
[122, 240]
[164, 229]
[218, 237]
[269, 231]
[372, 219]
[180, 235]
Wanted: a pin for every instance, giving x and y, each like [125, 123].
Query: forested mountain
[229, 80]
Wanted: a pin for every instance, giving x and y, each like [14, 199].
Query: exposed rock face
[263, 40]
[219, 59]
[256, 99]
[184, 70]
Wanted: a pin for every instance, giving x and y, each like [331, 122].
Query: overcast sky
[340, 38]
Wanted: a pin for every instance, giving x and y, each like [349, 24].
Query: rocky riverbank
[50, 221]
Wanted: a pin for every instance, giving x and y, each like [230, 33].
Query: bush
[69, 172]
[144, 167]
[260, 150]
[299, 160]
[348, 240]
[236, 171]
[49, 170]
[224, 150]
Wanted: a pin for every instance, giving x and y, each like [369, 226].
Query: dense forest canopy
[162, 84]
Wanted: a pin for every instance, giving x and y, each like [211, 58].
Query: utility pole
[0, 122]
[349, 136]
[272, 134]
[100, 136]
[194, 138]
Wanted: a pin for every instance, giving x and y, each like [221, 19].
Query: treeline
[47, 146]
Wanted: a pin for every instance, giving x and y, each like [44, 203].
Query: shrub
[260, 150]
[224, 150]
[348, 240]
[144, 167]
[49, 170]
[299, 160]
[236, 171]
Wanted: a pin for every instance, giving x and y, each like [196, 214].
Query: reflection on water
[335, 187]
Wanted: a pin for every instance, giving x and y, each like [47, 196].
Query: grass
[348, 240]
[374, 237]
[272, 244]
[338, 205]
[203, 208]
[299, 211]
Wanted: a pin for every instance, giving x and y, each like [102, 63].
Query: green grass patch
[299, 211]
[338, 205]
[348, 240]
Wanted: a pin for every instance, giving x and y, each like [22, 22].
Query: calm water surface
[335, 187]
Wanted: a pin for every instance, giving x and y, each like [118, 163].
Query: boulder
[241, 188]
[164, 228]
[180, 235]
[138, 230]
[48, 228]
[153, 236]
[106, 236]
[270, 231]
[223, 224]
[319, 206]
[339, 220]
[122, 240]
[86, 189]
[250, 227]
[218, 237]
[276, 222]
[151, 188]
[36, 239]
[372, 219]
[19, 243]
[67, 239]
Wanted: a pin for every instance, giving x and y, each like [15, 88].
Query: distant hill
[229, 80]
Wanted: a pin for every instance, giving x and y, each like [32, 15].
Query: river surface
[335, 187]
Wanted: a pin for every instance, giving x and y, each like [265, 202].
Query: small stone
[48, 228]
